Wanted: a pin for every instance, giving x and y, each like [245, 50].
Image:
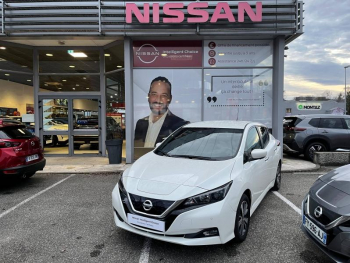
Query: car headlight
[209, 197]
[122, 190]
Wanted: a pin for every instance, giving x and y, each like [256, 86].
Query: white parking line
[295, 208]
[32, 197]
[145, 250]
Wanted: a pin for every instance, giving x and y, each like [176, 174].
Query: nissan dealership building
[79, 73]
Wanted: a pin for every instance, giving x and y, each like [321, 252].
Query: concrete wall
[325, 106]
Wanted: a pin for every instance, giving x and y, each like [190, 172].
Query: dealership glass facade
[89, 74]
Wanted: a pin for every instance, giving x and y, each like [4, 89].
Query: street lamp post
[345, 88]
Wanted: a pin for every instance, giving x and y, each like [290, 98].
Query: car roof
[221, 124]
[318, 116]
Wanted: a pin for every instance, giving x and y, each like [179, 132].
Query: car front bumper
[219, 215]
[338, 249]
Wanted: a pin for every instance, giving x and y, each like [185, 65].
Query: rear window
[15, 133]
[291, 122]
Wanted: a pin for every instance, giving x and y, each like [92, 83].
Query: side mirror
[157, 145]
[258, 154]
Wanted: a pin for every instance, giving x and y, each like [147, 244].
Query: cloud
[316, 60]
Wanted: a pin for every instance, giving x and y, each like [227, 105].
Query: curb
[303, 170]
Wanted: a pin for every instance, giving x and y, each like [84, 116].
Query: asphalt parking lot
[68, 218]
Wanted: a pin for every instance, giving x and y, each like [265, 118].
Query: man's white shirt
[154, 129]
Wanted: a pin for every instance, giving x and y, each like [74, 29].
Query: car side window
[265, 136]
[331, 123]
[315, 122]
[347, 121]
[253, 141]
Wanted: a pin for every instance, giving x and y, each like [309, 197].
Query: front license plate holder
[317, 232]
[146, 222]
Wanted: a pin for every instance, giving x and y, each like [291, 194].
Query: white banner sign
[238, 53]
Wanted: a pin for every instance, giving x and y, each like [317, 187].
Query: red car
[21, 153]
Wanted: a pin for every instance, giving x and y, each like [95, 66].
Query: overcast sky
[315, 61]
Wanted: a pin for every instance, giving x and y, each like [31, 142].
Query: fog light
[212, 232]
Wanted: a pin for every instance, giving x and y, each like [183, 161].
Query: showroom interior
[75, 83]
[71, 70]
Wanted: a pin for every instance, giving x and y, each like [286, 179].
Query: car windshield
[15, 133]
[213, 144]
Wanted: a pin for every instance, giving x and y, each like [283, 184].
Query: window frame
[261, 136]
[246, 155]
[341, 120]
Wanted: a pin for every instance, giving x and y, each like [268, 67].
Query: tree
[327, 94]
[340, 97]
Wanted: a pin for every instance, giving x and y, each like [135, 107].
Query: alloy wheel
[315, 148]
[243, 218]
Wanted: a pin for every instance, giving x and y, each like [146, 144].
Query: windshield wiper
[194, 157]
[164, 153]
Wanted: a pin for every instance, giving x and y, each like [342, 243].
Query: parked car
[326, 214]
[201, 185]
[54, 140]
[114, 131]
[20, 151]
[18, 120]
[307, 134]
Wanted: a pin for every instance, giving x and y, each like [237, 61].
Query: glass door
[86, 126]
[70, 126]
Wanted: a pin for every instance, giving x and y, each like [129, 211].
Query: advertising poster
[238, 94]
[167, 89]
[167, 54]
[238, 53]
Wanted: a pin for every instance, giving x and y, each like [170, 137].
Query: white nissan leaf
[201, 185]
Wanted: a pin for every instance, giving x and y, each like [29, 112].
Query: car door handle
[266, 159]
[324, 132]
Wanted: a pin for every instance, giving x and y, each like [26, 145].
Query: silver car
[307, 134]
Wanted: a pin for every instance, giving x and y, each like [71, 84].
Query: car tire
[278, 178]
[312, 148]
[54, 140]
[76, 146]
[242, 219]
[62, 143]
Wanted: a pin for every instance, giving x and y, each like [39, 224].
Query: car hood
[331, 197]
[162, 175]
[338, 178]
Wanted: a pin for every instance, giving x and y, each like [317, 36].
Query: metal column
[103, 127]
[278, 88]
[129, 102]
[36, 85]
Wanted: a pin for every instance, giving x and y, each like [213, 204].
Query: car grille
[158, 208]
[327, 215]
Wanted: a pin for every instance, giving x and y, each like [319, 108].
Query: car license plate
[32, 158]
[146, 222]
[315, 230]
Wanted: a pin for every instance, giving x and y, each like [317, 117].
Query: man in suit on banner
[161, 122]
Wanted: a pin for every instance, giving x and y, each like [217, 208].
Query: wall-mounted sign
[197, 12]
[167, 54]
[238, 53]
[309, 106]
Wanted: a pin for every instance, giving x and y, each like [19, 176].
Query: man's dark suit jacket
[171, 123]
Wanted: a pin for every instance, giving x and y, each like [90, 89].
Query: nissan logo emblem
[32, 143]
[318, 211]
[147, 205]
